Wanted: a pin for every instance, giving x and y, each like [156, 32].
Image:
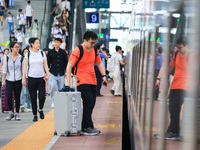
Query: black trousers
[176, 98]
[99, 80]
[22, 28]
[34, 85]
[17, 87]
[7, 3]
[88, 94]
[29, 21]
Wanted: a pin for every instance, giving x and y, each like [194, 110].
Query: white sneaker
[29, 110]
[22, 108]
[52, 105]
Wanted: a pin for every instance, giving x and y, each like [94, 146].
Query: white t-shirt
[29, 10]
[62, 45]
[19, 36]
[66, 4]
[36, 66]
[1, 1]
[10, 19]
[118, 57]
[22, 20]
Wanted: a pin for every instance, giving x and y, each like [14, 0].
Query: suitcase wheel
[67, 133]
[79, 133]
[55, 133]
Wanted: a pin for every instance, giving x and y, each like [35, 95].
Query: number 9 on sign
[94, 18]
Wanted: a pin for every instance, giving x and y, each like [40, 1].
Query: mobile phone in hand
[105, 83]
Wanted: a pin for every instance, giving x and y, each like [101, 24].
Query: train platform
[25, 134]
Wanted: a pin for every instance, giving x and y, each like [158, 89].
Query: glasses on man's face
[179, 47]
[92, 43]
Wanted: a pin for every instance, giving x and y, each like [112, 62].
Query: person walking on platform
[2, 10]
[29, 13]
[179, 62]
[12, 76]
[25, 96]
[157, 69]
[57, 62]
[36, 62]
[116, 89]
[97, 72]
[86, 79]
[21, 21]
[11, 23]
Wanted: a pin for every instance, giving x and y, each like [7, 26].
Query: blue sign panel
[94, 18]
[107, 36]
[96, 4]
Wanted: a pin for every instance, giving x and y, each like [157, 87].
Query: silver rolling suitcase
[67, 111]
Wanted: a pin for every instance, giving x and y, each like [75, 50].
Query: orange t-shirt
[180, 75]
[85, 68]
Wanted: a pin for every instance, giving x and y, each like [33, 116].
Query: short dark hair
[117, 48]
[6, 49]
[35, 20]
[97, 45]
[90, 35]
[32, 40]
[24, 50]
[20, 10]
[182, 40]
[28, 2]
[18, 29]
[58, 39]
[9, 13]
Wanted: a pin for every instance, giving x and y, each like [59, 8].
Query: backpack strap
[28, 62]
[7, 63]
[95, 49]
[174, 58]
[42, 54]
[81, 55]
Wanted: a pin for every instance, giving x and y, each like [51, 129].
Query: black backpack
[74, 69]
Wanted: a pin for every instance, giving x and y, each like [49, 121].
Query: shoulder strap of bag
[81, 55]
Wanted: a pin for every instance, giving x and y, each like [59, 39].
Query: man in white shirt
[29, 13]
[21, 20]
[20, 37]
[66, 4]
[116, 90]
[55, 30]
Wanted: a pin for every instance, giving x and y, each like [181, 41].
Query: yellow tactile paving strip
[36, 137]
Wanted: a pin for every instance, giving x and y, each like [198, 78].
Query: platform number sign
[94, 18]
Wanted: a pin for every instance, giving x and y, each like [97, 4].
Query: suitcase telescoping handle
[74, 82]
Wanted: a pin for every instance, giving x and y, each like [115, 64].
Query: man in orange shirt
[179, 62]
[86, 79]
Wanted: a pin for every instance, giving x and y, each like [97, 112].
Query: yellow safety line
[2, 43]
[36, 137]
